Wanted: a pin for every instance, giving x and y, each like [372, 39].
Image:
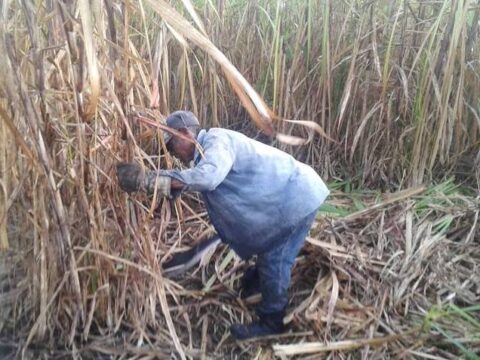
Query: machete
[183, 261]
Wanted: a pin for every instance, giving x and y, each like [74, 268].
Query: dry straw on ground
[394, 85]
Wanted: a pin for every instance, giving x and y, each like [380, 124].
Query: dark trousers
[275, 267]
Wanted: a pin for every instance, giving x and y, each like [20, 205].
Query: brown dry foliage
[394, 84]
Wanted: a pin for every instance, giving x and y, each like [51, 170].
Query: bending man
[260, 200]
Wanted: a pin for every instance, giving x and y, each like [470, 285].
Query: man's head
[186, 123]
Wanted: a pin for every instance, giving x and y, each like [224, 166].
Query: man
[260, 200]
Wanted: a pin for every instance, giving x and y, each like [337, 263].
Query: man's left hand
[130, 176]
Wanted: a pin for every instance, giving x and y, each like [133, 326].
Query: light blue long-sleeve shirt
[254, 193]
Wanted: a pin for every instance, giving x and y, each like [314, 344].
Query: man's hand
[130, 176]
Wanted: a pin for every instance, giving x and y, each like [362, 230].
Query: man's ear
[187, 133]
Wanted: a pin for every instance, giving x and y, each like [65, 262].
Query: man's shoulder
[221, 131]
[224, 134]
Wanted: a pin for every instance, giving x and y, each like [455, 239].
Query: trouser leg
[274, 270]
[275, 267]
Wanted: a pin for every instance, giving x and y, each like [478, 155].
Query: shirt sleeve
[211, 170]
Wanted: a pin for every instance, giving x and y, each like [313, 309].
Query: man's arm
[211, 170]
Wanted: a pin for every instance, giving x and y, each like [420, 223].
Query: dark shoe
[250, 283]
[269, 324]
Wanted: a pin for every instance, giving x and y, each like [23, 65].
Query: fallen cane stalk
[346, 345]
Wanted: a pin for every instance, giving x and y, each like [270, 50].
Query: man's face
[182, 149]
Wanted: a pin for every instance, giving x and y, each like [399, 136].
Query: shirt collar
[200, 138]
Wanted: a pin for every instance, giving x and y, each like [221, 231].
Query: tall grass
[393, 85]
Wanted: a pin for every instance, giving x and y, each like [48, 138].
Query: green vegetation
[440, 320]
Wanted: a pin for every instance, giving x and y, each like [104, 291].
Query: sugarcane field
[239, 179]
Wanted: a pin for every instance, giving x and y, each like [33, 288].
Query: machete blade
[183, 261]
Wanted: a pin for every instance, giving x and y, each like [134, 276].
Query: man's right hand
[130, 176]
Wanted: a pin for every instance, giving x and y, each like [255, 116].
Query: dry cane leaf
[333, 299]
[87, 26]
[182, 26]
